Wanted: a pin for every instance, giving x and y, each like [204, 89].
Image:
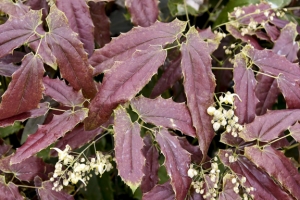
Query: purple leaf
[276, 165]
[69, 52]
[163, 191]
[267, 127]
[121, 87]
[177, 162]
[101, 23]
[128, 146]
[9, 191]
[15, 57]
[199, 84]
[150, 169]
[143, 13]
[4, 148]
[272, 31]
[164, 112]
[7, 69]
[290, 90]
[79, 18]
[295, 131]
[122, 47]
[49, 133]
[196, 154]
[13, 9]
[227, 191]
[244, 87]
[62, 93]
[25, 90]
[212, 39]
[227, 138]
[14, 32]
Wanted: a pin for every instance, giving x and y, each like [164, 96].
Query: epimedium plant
[218, 110]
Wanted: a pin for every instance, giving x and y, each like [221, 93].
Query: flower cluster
[239, 186]
[224, 117]
[70, 169]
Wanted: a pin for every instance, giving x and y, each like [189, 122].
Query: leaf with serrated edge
[163, 191]
[122, 47]
[177, 162]
[276, 165]
[199, 85]
[14, 32]
[25, 90]
[121, 87]
[49, 133]
[79, 18]
[128, 149]
[244, 85]
[69, 52]
[9, 190]
[295, 131]
[143, 13]
[290, 90]
[264, 187]
[227, 190]
[164, 112]
[269, 126]
[62, 93]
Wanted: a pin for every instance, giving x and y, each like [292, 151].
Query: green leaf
[278, 3]
[4, 132]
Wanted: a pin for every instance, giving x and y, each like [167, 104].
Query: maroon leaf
[177, 162]
[164, 112]
[264, 186]
[266, 91]
[196, 154]
[42, 110]
[290, 90]
[4, 148]
[227, 190]
[15, 57]
[49, 133]
[15, 32]
[168, 78]
[25, 90]
[121, 87]
[227, 138]
[7, 69]
[46, 193]
[101, 23]
[143, 13]
[213, 40]
[295, 131]
[62, 93]
[244, 87]
[196, 67]
[79, 18]
[163, 191]
[128, 146]
[267, 127]
[272, 31]
[9, 191]
[13, 9]
[276, 165]
[69, 52]
[122, 47]
[150, 169]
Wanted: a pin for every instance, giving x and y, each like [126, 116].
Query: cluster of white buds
[229, 50]
[219, 34]
[225, 117]
[239, 187]
[70, 169]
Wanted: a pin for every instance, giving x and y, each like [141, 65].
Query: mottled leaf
[196, 154]
[264, 187]
[79, 18]
[150, 169]
[164, 112]
[14, 32]
[101, 23]
[69, 52]
[199, 85]
[13, 9]
[121, 87]
[227, 190]
[49, 133]
[290, 90]
[19, 97]
[7, 69]
[62, 93]
[244, 87]
[122, 47]
[267, 127]
[163, 191]
[128, 149]
[143, 13]
[295, 131]
[276, 165]
[177, 162]
[9, 191]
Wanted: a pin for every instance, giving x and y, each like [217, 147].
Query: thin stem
[277, 139]
[28, 186]
[265, 74]
[292, 146]
[186, 13]
[216, 59]
[173, 47]
[50, 108]
[223, 68]
[293, 8]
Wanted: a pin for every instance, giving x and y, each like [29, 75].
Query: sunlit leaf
[49, 133]
[7, 69]
[199, 84]
[122, 47]
[69, 52]
[164, 112]
[9, 191]
[177, 162]
[128, 149]
[163, 191]
[79, 18]
[25, 90]
[295, 131]
[290, 90]
[13, 9]
[143, 13]
[276, 165]
[121, 87]
[227, 190]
